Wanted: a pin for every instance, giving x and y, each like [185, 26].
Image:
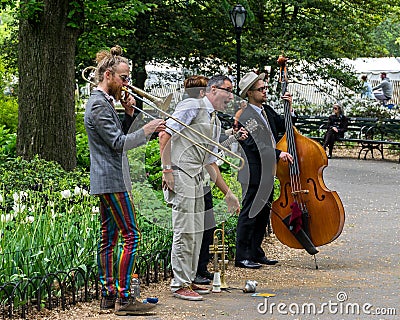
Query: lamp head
[238, 16]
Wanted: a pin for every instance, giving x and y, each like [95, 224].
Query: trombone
[160, 105]
[161, 102]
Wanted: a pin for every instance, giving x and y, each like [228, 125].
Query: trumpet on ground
[220, 250]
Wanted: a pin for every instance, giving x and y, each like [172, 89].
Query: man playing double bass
[257, 176]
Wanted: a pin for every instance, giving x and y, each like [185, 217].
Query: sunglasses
[124, 78]
[335, 108]
[261, 89]
[225, 89]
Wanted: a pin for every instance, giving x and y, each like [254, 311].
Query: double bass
[307, 214]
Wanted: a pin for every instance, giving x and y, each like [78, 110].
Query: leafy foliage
[387, 35]
[198, 35]
[82, 151]
[50, 223]
[203, 39]
[9, 112]
[153, 164]
[38, 174]
[8, 141]
[366, 108]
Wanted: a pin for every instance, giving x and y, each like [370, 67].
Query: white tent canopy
[374, 66]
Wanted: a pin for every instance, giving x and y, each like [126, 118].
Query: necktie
[213, 116]
[212, 122]
[269, 128]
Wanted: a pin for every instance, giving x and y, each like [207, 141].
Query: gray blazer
[109, 170]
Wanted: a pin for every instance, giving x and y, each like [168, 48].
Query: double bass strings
[293, 167]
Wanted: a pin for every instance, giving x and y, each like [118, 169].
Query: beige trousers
[188, 224]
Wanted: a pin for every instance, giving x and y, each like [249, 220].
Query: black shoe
[247, 264]
[264, 260]
[201, 280]
[206, 274]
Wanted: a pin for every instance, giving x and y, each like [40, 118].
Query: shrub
[366, 108]
[50, 223]
[82, 151]
[38, 174]
[9, 113]
[8, 142]
[80, 126]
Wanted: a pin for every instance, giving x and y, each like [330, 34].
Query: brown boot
[107, 302]
[127, 306]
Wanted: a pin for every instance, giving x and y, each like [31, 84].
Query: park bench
[369, 133]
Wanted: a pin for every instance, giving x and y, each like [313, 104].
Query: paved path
[358, 275]
[361, 269]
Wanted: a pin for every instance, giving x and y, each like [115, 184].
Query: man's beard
[116, 92]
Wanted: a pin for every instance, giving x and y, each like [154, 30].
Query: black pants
[330, 137]
[208, 236]
[250, 232]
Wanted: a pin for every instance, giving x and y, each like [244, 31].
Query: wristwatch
[166, 167]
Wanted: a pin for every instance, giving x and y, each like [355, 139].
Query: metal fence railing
[305, 92]
[23, 298]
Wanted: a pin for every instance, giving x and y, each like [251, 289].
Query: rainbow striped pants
[117, 216]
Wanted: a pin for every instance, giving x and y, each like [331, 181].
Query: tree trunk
[46, 54]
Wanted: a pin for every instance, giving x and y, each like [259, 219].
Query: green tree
[48, 32]
[46, 55]
[198, 35]
[55, 35]
[318, 32]
[7, 62]
[387, 35]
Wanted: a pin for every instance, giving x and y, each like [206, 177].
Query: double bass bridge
[298, 192]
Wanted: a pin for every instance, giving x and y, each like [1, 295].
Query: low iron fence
[19, 299]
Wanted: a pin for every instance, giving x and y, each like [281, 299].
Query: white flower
[6, 217]
[1, 198]
[30, 219]
[16, 197]
[77, 191]
[19, 197]
[66, 194]
[95, 210]
[85, 192]
[18, 208]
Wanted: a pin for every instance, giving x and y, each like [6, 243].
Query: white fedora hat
[247, 82]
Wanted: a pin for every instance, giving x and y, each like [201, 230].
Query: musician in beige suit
[183, 169]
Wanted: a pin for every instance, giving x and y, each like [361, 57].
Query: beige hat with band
[247, 82]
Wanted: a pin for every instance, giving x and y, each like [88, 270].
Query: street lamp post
[238, 17]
